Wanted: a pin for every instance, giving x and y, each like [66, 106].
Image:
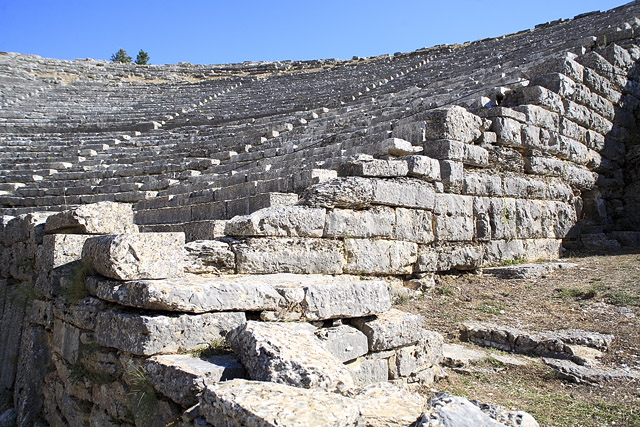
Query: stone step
[314, 297]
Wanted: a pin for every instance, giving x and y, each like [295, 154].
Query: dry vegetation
[601, 294]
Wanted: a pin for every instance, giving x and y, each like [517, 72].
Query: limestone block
[449, 411]
[444, 149]
[66, 340]
[288, 353]
[395, 147]
[25, 227]
[385, 404]
[538, 95]
[451, 174]
[344, 342]
[209, 257]
[374, 168]
[147, 335]
[413, 225]
[545, 166]
[182, 377]
[190, 294]
[204, 230]
[408, 361]
[82, 314]
[366, 256]
[263, 404]
[452, 123]
[136, 256]
[578, 177]
[542, 117]
[508, 131]
[60, 249]
[98, 218]
[498, 251]
[423, 167]
[528, 218]
[403, 192]
[481, 184]
[459, 257]
[279, 221]
[542, 248]
[390, 330]
[11, 333]
[378, 221]
[289, 255]
[370, 369]
[350, 192]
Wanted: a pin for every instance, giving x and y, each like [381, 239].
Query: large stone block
[374, 168]
[288, 353]
[60, 249]
[344, 342]
[403, 192]
[454, 123]
[289, 255]
[209, 257]
[350, 192]
[366, 256]
[136, 256]
[327, 297]
[423, 167]
[191, 294]
[413, 225]
[378, 221]
[385, 404]
[390, 330]
[182, 377]
[370, 369]
[279, 221]
[147, 335]
[98, 218]
[265, 404]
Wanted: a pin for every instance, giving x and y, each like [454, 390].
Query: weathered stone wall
[282, 209]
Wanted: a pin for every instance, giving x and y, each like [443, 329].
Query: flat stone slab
[392, 329]
[385, 404]
[182, 377]
[561, 344]
[460, 356]
[453, 411]
[148, 335]
[526, 271]
[97, 218]
[589, 374]
[268, 404]
[136, 255]
[192, 294]
[209, 257]
[288, 353]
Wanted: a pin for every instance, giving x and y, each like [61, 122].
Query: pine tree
[142, 58]
[121, 57]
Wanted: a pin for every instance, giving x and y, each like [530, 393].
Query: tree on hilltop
[142, 58]
[121, 57]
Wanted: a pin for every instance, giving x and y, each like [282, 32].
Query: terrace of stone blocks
[376, 171]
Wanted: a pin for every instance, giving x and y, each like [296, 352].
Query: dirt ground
[601, 294]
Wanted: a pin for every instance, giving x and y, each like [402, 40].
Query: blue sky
[209, 32]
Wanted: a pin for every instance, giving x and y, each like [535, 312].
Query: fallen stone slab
[562, 344]
[526, 271]
[182, 377]
[392, 329]
[589, 374]
[460, 356]
[148, 335]
[511, 418]
[209, 257]
[452, 411]
[288, 353]
[97, 218]
[268, 404]
[385, 404]
[193, 294]
[136, 255]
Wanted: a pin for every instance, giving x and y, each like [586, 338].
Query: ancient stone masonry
[154, 216]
